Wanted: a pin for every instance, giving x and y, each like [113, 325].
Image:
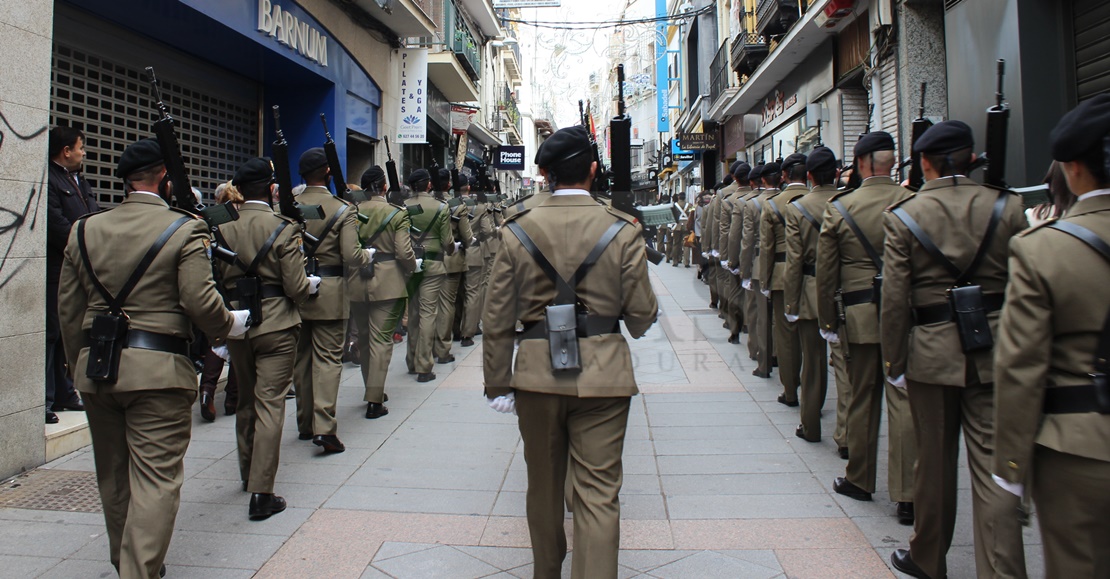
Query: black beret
[312, 160]
[256, 170]
[793, 159]
[563, 145]
[741, 169]
[1082, 129]
[418, 176]
[945, 137]
[139, 156]
[756, 173]
[873, 141]
[734, 166]
[472, 182]
[442, 179]
[372, 175]
[771, 168]
[820, 159]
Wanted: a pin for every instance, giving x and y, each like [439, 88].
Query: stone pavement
[716, 484]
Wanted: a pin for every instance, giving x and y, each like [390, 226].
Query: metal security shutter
[888, 76]
[853, 111]
[1092, 47]
[111, 102]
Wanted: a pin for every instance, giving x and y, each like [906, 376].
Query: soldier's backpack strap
[565, 290]
[962, 277]
[381, 229]
[775, 208]
[876, 257]
[311, 251]
[805, 213]
[115, 303]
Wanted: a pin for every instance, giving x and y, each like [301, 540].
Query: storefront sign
[698, 141]
[412, 124]
[461, 118]
[291, 31]
[775, 104]
[510, 158]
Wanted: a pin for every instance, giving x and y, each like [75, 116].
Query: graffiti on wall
[23, 215]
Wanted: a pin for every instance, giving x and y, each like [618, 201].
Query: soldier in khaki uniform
[1050, 428]
[477, 259]
[378, 293]
[723, 206]
[324, 317]
[680, 254]
[921, 346]
[751, 276]
[454, 265]
[772, 263]
[846, 266]
[804, 218]
[729, 284]
[263, 359]
[568, 415]
[140, 423]
[709, 232]
[743, 298]
[436, 242]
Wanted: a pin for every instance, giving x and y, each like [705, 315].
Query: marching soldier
[432, 240]
[324, 317]
[728, 284]
[476, 260]
[709, 232]
[679, 251]
[772, 263]
[938, 261]
[1052, 415]
[454, 265]
[751, 276]
[139, 403]
[378, 291]
[567, 414]
[850, 262]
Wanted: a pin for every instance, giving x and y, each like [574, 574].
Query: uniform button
[888, 364]
[1012, 465]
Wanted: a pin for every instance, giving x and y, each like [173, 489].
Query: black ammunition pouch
[418, 251]
[106, 340]
[311, 265]
[366, 271]
[561, 322]
[877, 289]
[248, 292]
[970, 314]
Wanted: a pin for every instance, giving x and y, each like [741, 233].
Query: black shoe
[51, 418]
[445, 359]
[467, 342]
[687, 267]
[426, 377]
[843, 487]
[207, 407]
[162, 570]
[304, 436]
[902, 561]
[713, 305]
[75, 405]
[329, 442]
[744, 329]
[801, 433]
[759, 374]
[843, 451]
[905, 513]
[785, 402]
[385, 397]
[734, 339]
[375, 410]
[774, 361]
[230, 408]
[264, 505]
[412, 372]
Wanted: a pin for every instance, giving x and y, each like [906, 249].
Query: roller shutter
[1092, 47]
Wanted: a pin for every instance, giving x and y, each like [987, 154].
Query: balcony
[509, 115]
[775, 17]
[719, 73]
[464, 45]
[455, 69]
[748, 51]
[407, 18]
[510, 54]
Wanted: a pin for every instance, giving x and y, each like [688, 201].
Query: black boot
[263, 505]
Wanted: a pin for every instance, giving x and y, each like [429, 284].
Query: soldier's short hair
[948, 164]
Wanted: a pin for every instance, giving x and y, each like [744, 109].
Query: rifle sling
[311, 251]
[1102, 350]
[962, 277]
[370, 241]
[775, 208]
[876, 258]
[805, 213]
[565, 292]
[428, 229]
[262, 252]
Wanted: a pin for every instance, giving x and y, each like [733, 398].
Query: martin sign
[291, 31]
[510, 158]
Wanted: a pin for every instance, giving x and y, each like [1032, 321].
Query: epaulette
[345, 202]
[185, 212]
[899, 203]
[516, 213]
[1038, 226]
[621, 215]
[289, 219]
[396, 206]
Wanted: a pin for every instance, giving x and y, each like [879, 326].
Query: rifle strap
[428, 229]
[115, 303]
[876, 258]
[1102, 350]
[775, 208]
[962, 277]
[805, 213]
[311, 251]
[381, 228]
[565, 292]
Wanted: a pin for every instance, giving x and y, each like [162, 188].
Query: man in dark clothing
[68, 198]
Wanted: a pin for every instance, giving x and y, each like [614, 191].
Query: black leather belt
[809, 269]
[430, 256]
[272, 291]
[863, 296]
[1072, 400]
[595, 326]
[384, 257]
[939, 313]
[780, 257]
[330, 271]
[144, 340]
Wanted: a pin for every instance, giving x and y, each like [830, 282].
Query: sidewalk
[716, 484]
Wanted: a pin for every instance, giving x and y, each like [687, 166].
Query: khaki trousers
[843, 393]
[424, 293]
[591, 432]
[264, 367]
[736, 305]
[751, 314]
[1072, 507]
[865, 371]
[815, 378]
[724, 291]
[939, 412]
[788, 347]
[763, 329]
[445, 315]
[710, 276]
[317, 372]
[375, 322]
[679, 251]
[472, 313]
[139, 441]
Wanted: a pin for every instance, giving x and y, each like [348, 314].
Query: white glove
[705, 255]
[735, 271]
[746, 284]
[370, 253]
[766, 293]
[313, 285]
[222, 352]
[715, 253]
[791, 318]
[898, 381]
[830, 337]
[473, 240]
[1016, 489]
[419, 265]
[458, 245]
[504, 404]
[242, 323]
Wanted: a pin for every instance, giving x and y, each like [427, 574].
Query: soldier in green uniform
[432, 241]
[751, 276]
[378, 291]
[728, 282]
[567, 415]
[709, 232]
[946, 361]
[1051, 427]
[772, 264]
[477, 258]
[140, 420]
[324, 317]
[454, 265]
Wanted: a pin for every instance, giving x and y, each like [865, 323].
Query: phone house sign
[291, 31]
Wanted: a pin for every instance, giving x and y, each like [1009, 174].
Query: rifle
[779, 159]
[393, 195]
[998, 117]
[920, 125]
[341, 188]
[214, 215]
[287, 206]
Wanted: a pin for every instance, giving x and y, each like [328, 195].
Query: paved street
[716, 484]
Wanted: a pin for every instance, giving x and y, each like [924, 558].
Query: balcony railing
[748, 51]
[719, 72]
[460, 41]
[507, 106]
[775, 17]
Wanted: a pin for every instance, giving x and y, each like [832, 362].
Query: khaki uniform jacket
[390, 277]
[176, 291]
[481, 225]
[844, 263]
[954, 212]
[438, 240]
[736, 227]
[680, 225]
[339, 247]
[1056, 305]
[456, 262]
[801, 249]
[724, 219]
[749, 243]
[709, 229]
[772, 235]
[565, 228]
[283, 266]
